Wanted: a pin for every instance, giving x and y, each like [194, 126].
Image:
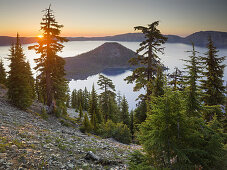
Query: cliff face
[108, 55]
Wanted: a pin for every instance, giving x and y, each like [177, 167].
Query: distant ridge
[199, 38]
[6, 40]
[108, 55]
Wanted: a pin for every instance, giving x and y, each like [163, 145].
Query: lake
[172, 58]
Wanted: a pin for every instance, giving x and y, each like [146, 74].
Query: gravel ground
[29, 142]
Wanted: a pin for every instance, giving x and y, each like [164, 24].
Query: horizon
[113, 35]
[98, 18]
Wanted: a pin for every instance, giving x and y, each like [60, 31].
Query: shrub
[86, 127]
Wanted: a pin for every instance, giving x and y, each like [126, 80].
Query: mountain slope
[29, 142]
[108, 55]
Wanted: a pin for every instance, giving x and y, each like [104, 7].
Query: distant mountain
[199, 38]
[5, 40]
[109, 55]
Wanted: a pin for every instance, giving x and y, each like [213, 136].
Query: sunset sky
[110, 17]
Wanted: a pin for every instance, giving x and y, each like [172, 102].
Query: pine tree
[20, 81]
[132, 123]
[158, 89]
[80, 112]
[144, 75]
[73, 98]
[124, 112]
[176, 79]
[49, 65]
[85, 99]
[93, 107]
[2, 73]
[86, 127]
[213, 83]
[107, 85]
[193, 69]
[173, 140]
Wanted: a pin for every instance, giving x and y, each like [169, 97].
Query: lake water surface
[172, 57]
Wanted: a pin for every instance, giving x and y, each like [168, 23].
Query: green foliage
[2, 73]
[138, 161]
[107, 96]
[44, 114]
[118, 131]
[87, 126]
[193, 69]
[20, 80]
[158, 89]
[93, 109]
[176, 79]
[51, 79]
[144, 75]
[171, 139]
[213, 84]
[80, 112]
[140, 112]
[124, 114]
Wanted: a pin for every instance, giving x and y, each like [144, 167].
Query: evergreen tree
[140, 112]
[49, 65]
[144, 75]
[73, 98]
[176, 79]
[86, 127]
[80, 112]
[132, 124]
[193, 69]
[213, 84]
[85, 99]
[158, 89]
[20, 81]
[93, 107]
[124, 112]
[2, 73]
[107, 85]
[173, 140]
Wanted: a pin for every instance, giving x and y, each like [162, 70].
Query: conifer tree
[85, 99]
[176, 79]
[73, 98]
[107, 85]
[193, 69]
[49, 65]
[2, 73]
[158, 89]
[80, 112]
[93, 106]
[86, 127]
[132, 123]
[20, 81]
[144, 75]
[213, 83]
[124, 112]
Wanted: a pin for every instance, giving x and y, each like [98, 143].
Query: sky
[110, 17]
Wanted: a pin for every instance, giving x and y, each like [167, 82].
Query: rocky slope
[29, 142]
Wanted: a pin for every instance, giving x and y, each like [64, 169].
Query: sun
[40, 36]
